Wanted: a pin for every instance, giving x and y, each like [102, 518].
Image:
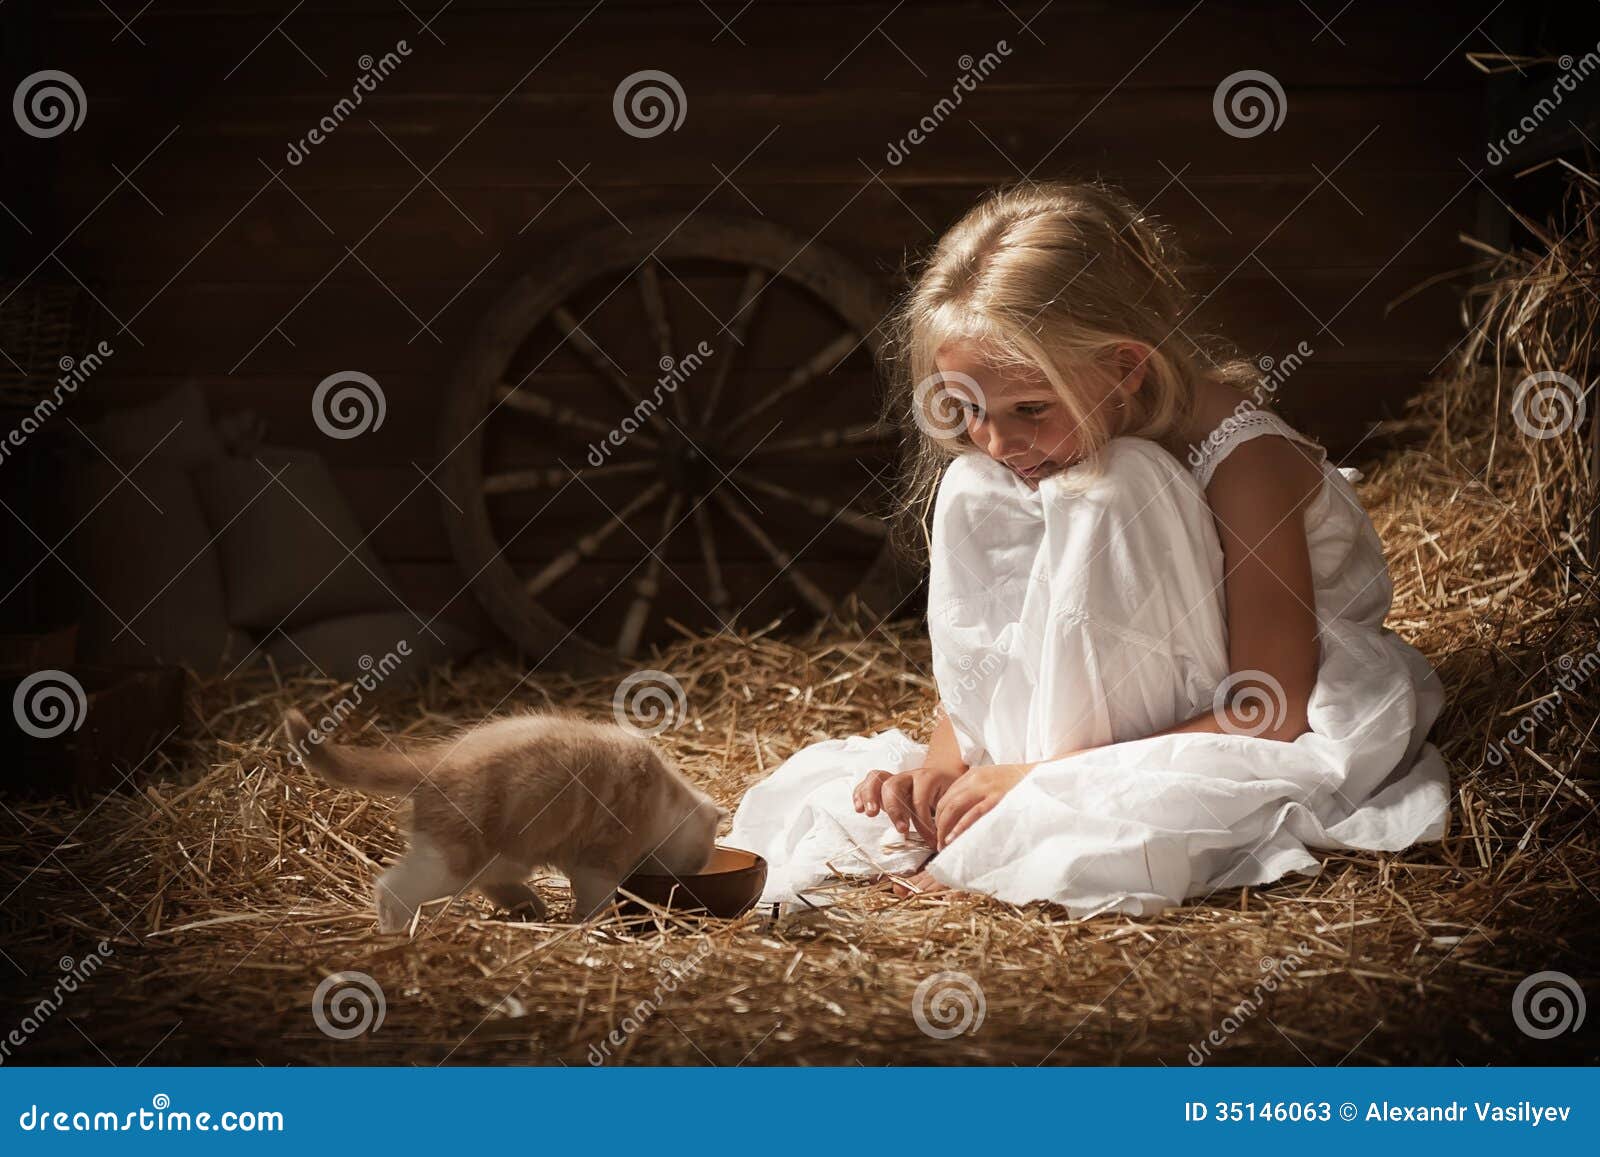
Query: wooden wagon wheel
[729, 479]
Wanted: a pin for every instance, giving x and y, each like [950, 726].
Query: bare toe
[920, 884]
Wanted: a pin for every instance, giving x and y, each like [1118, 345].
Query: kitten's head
[688, 849]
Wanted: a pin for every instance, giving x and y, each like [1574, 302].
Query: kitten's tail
[375, 770]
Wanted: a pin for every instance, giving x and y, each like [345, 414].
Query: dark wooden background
[258, 278]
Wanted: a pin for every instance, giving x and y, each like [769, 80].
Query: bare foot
[920, 884]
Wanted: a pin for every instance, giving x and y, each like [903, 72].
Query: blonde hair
[1046, 278]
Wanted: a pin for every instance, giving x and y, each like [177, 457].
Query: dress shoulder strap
[1235, 430]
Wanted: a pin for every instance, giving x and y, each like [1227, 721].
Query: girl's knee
[1145, 527]
[1142, 487]
[1140, 458]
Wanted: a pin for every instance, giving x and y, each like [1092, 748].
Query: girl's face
[1015, 418]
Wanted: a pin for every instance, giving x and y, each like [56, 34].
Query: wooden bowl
[729, 886]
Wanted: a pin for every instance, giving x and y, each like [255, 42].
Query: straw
[233, 882]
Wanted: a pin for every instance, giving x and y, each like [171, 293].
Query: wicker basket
[41, 323]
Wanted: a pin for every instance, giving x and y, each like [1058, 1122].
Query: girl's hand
[909, 799]
[973, 798]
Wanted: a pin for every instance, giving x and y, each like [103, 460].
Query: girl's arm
[1257, 497]
[910, 797]
[943, 749]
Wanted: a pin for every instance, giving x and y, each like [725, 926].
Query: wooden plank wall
[494, 140]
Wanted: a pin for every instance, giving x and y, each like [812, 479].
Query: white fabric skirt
[1069, 628]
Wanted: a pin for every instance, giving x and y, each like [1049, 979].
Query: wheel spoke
[755, 279]
[819, 363]
[780, 558]
[720, 602]
[542, 407]
[599, 417]
[648, 584]
[594, 355]
[550, 477]
[817, 506]
[655, 308]
[589, 543]
[825, 440]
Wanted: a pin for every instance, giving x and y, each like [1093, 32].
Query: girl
[1156, 611]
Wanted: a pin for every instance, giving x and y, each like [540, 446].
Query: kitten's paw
[393, 915]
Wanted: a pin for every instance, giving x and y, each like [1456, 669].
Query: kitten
[590, 800]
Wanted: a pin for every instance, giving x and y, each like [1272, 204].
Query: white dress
[1070, 628]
